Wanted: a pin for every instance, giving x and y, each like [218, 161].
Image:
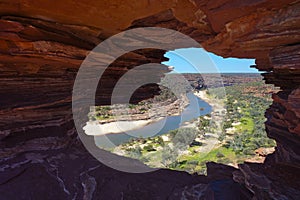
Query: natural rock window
[228, 129]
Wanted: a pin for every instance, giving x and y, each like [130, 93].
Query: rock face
[42, 45]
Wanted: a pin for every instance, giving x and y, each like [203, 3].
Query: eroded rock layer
[42, 45]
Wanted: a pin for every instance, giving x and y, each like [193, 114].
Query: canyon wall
[42, 45]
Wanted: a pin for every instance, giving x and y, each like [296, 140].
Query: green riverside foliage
[245, 105]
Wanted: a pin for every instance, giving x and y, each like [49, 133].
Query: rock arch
[42, 45]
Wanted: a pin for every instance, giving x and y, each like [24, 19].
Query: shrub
[185, 136]
[134, 152]
[149, 147]
[219, 155]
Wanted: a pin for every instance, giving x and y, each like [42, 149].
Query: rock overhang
[43, 44]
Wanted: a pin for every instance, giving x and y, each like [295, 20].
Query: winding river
[196, 108]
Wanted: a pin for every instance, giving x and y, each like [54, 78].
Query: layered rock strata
[42, 45]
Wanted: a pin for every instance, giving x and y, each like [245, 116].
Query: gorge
[42, 45]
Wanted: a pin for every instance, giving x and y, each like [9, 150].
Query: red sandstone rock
[42, 49]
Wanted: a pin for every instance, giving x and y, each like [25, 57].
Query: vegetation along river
[196, 108]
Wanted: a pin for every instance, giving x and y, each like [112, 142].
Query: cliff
[42, 45]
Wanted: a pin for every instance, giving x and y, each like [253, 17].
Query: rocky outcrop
[42, 45]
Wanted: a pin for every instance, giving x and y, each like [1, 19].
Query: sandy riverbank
[94, 128]
[217, 115]
[136, 117]
[202, 95]
[217, 105]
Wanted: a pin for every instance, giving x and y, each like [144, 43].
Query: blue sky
[197, 60]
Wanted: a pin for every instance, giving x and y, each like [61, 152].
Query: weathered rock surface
[42, 45]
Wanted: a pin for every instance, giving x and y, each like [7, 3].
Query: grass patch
[215, 155]
[247, 125]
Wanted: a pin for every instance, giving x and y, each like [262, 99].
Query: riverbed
[196, 108]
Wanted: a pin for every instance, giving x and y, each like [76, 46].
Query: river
[196, 108]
